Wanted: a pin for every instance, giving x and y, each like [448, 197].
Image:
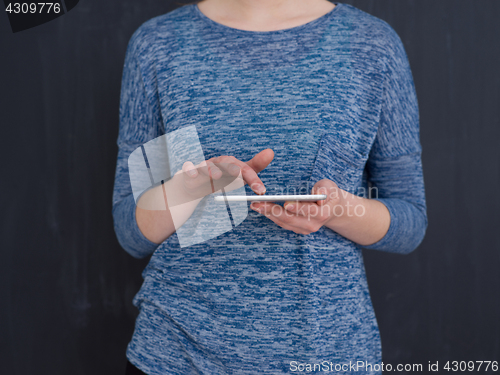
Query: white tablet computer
[270, 198]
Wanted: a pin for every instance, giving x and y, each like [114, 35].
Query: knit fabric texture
[335, 99]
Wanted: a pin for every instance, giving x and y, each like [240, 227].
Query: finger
[283, 225]
[282, 218]
[229, 165]
[208, 168]
[248, 174]
[298, 208]
[189, 169]
[214, 171]
[203, 168]
[190, 175]
[260, 161]
[232, 168]
[329, 188]
[197, 183]
[321, 190]
[274, 210]
[308, 210]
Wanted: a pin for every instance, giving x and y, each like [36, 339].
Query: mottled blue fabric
[333, 98]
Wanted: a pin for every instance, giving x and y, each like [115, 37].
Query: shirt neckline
[316, 22]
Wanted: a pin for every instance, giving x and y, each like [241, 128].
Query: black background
[66, 286]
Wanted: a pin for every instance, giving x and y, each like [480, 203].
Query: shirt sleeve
[394, 166]
[140, 121]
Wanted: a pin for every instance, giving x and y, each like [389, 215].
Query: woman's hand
[305, 217]
[191, 184]
[248, 169]
[361, 220]
[197, 181]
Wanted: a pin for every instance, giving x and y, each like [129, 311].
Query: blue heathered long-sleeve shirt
[335, 99]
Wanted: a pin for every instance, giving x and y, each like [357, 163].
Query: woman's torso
[312, 94]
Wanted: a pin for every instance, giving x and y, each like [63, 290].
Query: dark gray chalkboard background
[66, 285]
